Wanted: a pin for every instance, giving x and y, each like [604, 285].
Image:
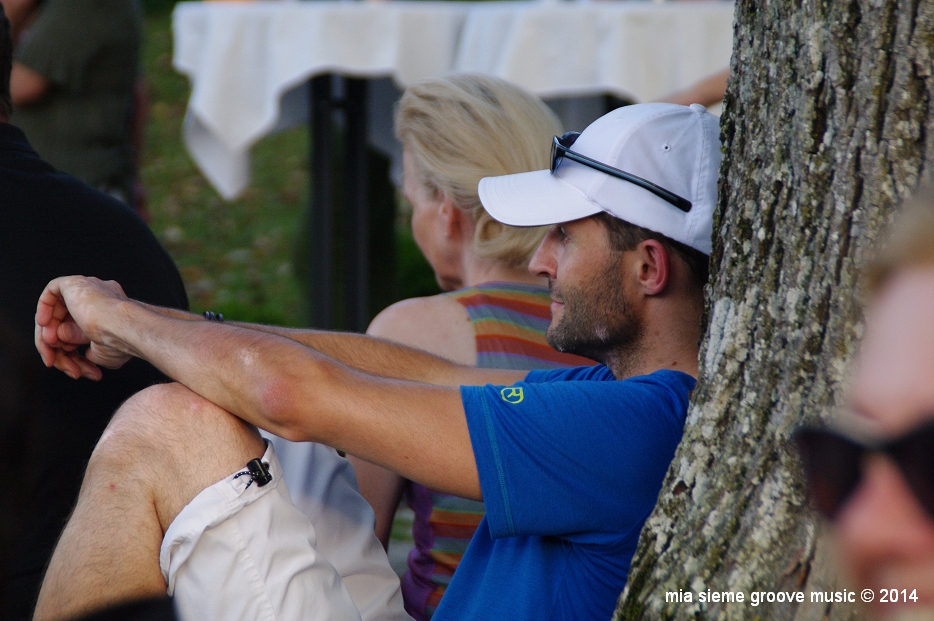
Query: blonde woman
[455, 131]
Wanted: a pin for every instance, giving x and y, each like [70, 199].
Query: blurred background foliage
[245, 258]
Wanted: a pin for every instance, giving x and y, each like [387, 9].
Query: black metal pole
[321, 209]
[356, 211]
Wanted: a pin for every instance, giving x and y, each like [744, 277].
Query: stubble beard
[598, 321]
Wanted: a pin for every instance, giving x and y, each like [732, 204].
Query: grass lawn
[237, 258]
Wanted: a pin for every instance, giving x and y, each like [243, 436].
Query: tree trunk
[828, 123]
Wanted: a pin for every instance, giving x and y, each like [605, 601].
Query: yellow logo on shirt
[512, 395]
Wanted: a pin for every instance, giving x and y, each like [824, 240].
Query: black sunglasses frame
[561, 148]
[833, 464]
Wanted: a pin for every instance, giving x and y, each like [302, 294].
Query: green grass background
[239, 258]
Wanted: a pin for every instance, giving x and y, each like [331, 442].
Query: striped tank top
[509, 321]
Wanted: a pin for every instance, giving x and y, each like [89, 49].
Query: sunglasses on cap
[833, 465]
[561, 148]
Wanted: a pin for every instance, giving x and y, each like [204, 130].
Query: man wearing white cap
[568, 462]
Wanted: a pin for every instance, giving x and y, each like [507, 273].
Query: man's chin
[554, 327]
[560, 342]
[553, 337]
[551, 341]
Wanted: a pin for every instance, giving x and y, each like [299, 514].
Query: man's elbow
[293, 403]
[278, 404]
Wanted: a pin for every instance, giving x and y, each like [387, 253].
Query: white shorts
[241, 551]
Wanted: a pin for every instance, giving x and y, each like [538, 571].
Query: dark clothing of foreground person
[51, 223]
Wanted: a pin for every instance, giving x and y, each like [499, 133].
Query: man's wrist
[118, 334]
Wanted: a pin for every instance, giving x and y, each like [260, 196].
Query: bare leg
[162, 448]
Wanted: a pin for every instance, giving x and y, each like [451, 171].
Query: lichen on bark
[827, 124]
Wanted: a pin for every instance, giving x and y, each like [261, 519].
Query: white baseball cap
[674, 147]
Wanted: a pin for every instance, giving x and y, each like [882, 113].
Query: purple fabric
[416, 583]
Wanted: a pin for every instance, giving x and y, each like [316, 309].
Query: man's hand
[69, 316]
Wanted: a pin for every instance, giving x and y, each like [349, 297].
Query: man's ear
[653, 264]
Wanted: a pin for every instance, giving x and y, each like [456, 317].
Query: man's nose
[542, 262]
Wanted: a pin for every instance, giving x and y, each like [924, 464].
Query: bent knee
[170, 409]
[165, 404]
[175, 443]
[170, 420]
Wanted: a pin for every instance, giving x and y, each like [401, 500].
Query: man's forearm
[290, 389]
[273, 381]
[373, 355]
[263, 378]
[384, 358]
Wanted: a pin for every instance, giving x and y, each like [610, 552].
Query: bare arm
[279, 383]
[375, 355]
[382, 489]
[20, 13]
[381, 357]
[27, 86]
[707, 91]
[438, 325]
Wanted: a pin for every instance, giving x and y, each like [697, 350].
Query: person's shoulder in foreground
[571, 460]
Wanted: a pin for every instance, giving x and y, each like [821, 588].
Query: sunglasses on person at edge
[833, 464]
[561, 148]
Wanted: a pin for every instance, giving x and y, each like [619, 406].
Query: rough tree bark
[828, 123]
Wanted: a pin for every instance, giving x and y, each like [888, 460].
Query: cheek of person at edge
[886, 536]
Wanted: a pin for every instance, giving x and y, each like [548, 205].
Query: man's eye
[562, 233]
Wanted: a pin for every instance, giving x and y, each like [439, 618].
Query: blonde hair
[462, 128]
[910, 242]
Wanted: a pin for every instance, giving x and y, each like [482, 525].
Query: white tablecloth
[245, 60]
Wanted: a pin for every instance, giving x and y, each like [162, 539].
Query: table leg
[356, 212]
[320, 221]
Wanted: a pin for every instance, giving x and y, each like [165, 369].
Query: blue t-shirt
[571, 462]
